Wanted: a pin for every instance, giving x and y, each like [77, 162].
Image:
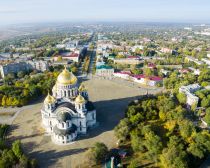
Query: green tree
[122, 130]
[207, 116]
[181, 98]
[205, 102]
[16, 148]
[174, 158]
[4, 99]
[153, 144]
[97, 153]
[186, 128]
[200, 145]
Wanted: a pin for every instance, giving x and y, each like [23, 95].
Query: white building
[149, 81]
[104, 71]
[189, 92]
[207, 61]
[189, 58]
[122, 74]
[133, 49]
[68, 112]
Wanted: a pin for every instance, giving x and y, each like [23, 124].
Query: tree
[181, 98]
[21, 74]
[205, 102]
[174, 158]
[16, 148]
[200, 145]
[186, 128]
[3, 102]
[133, 164]
[59, 58]
[122, 130]
[136, 142]
[9, 156]
[97, 153]
[207, 116]
[148, 72]
[153, 144]
[24, 162]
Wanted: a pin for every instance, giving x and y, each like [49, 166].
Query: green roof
[104, 67]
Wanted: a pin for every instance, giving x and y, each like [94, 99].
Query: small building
[165, 72]
[132, 60]
[39, 65]
[166, 50]
[67, 56]
[191, 59]
[148, 80]
[134, 48]
[207, 61]
[195, 71]
[189, 91]
[104, 71]
[151, 66]
[123, 74]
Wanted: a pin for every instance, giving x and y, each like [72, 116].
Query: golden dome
[82, 88]
[49, 99]
[79, 99]
[66, 77]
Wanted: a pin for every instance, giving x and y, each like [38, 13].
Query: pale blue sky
[20, 11]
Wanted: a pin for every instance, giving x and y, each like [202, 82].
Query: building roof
[138, 76]
[104, 67]
[80, 99]
[155, 78]
[133, 57]
[151, 65]
[73, 55]
[82, 88]
[124, 72]
[49, 99]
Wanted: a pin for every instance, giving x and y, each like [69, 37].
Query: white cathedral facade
[68, 112]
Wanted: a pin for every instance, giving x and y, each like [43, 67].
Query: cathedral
[67, 113]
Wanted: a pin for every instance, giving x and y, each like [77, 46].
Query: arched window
[63, 125]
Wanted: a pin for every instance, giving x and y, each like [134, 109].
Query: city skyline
[34, 11]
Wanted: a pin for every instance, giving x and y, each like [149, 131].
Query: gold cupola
[82, 88]
[49, 99]
[79, 99]
[66, 78]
